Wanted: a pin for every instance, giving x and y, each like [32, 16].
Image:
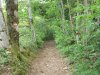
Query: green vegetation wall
[79, 39]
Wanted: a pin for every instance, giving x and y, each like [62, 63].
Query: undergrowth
[84, 59]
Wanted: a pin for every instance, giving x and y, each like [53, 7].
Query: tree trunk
[63, 16]
[4, 43]
[86, 12]
[70, 16]
[85, 2]
[12, 22]
[31, 21]
[77, 27]
[30, 13]
[98, 21]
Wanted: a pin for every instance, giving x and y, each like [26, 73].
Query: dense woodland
[74, 25]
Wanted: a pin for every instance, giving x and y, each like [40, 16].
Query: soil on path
[49, 62]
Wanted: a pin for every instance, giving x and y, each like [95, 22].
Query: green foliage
[29, 41]
[4, 56]
[20, 64]
[25, 37]
[77, 35]
[86, 58]
[40, 30]
[80, 42]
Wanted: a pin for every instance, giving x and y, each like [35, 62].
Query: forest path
[48, 62]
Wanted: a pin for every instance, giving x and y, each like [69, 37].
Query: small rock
[65, 68]
[41, 71]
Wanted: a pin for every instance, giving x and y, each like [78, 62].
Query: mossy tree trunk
[12, 22]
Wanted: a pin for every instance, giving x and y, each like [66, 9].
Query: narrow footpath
[49, 62]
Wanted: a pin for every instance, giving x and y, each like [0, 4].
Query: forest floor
[49, 62]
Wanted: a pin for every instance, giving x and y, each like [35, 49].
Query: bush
[4, 56]
[83, 58]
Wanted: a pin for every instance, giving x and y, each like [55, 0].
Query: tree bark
[12, 22]
[31, 21]
[4, 43]
[30, 13]
[86, 12]
[63, 16]
[70, 16]
[77, 36]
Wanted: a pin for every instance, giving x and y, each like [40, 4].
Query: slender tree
[63, 16]
[70, 15]
[3, 30]
[30, 13]
[77, 36]
[31, 20]
[86, 12]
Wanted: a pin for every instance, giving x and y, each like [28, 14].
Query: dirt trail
[49, 62]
